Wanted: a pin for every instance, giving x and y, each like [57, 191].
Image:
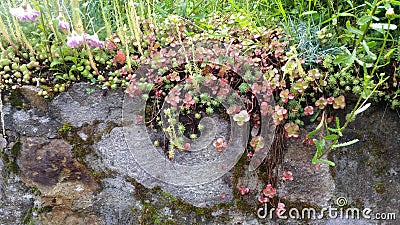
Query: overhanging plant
[371, 81]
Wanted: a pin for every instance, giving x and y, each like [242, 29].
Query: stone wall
[67, 161]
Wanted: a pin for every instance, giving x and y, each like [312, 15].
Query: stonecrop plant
[309, 64]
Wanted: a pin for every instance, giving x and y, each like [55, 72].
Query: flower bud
[390, 13]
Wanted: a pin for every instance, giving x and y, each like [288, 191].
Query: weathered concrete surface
[116, 156]
[15, 198]
[102, 184]
[367, 173]
[78, 107]
[312, 183]
[30, 122]
[116, 203]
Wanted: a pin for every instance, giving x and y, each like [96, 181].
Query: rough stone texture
[30, 118]
[15, 198]
[62, 216]
[115, 204]
[35, 100]
[312, 184]
[78, 107]
[30, 122]
[44, 163]
[64, 184]
[366, 174]
[116, 156]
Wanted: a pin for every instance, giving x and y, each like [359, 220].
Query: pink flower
[93, 41]
[292, 130]
[75, 40]
[266, 108]
[321, 103]
[243, 190]
[314, 74]
[249, 155]
[139, 119]
[123, 71]
[133, 89]
[339, 102]
[188, 100]
[308, 110]
[280, 114]
[173, 77]
[308, 141]
[223, 196]
[269, 191]
[25, 12]
[187, 146]
[173, 97]
[263, 199]
[159, 94]
[233, 109]
[110, 45]
[220, 144]
[119, 58]
[300, 86]
[286, 95]
[62, 24]
[330, 100]
[256, 88]
[287, 175]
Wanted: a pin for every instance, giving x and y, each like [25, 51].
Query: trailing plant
[370, 87]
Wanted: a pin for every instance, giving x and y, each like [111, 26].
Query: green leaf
[347, 58]
[366, 48]
[389, 53]
[320, 145]
[394, 2]
[337, 123]
[314, 117]
[315, 159]
[321, 123]
[326, 162]
[333, 130]
[60, 77]
[337, 130]
[346, 14]
[363, 20]
[70, 58]
[353, 29]
[346, 143]
[362, 63]
[81, 68]
[331, 137]
[54, 63]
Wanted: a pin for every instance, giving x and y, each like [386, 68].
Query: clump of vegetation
[297, 72]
